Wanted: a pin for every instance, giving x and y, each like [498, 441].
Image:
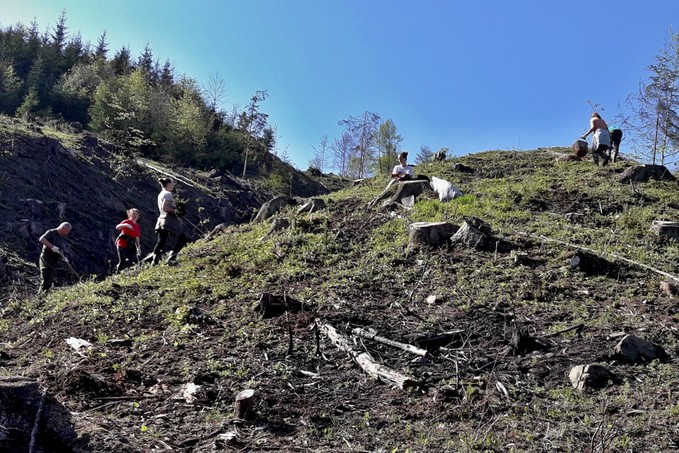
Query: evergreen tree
[58, 40]
[424, 155]
[10, 89]
[122, 62]
[101, 50]
[29, 105]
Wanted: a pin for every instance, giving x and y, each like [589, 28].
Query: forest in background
[144, 105]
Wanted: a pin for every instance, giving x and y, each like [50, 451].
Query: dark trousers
[601, 152]
[48, 270]
[126, 257]
[163, 236]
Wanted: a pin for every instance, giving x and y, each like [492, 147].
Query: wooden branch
[371, 334]
[554, 334]
[364, 360]
[596, 252]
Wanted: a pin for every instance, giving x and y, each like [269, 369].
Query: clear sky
[468, 75]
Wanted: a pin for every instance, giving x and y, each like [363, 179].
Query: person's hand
[65, 260]
[55, 249]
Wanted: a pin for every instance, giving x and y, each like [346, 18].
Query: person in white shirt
[168, 223]
[403, 171]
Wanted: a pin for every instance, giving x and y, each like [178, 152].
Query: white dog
[444, 189]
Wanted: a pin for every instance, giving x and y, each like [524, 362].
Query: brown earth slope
[170, 347]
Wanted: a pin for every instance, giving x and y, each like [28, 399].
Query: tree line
[139, 103]
[653, 119]
[366, 146]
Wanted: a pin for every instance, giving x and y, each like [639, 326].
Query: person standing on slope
[601, 140]
[52, 242]
[127, 243]
[168, 223]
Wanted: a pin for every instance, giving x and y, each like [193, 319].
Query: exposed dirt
[518, 318]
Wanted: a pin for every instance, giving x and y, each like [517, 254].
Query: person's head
[64, 228]
[166, 183]
[133, 214]
[403, 157]
[596, 115]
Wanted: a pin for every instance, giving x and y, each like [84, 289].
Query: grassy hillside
[351, 267]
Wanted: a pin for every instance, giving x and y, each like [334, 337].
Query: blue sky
[468, 75]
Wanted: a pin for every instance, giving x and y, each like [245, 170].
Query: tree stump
[666, 229]
[473, 233]
[642, 173]
[590, 376]
[271, 305]
[404, 189]
[430, 233]
[636, 350]
[462, 168]
[21, 402]
[312, 205]
[590, 264]
[243, 405]
[272, 206]
[671, 288]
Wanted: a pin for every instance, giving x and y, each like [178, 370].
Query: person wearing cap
[601, 140]
[52, 243]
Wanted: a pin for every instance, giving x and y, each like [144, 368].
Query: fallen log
[371, 334]
[666, 229]
[434, 340]
[364, 360]
[614, 255]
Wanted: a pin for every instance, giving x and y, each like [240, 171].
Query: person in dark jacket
[169, 223]
[52, 243]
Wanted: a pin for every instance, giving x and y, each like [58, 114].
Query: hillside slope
[515, 316]
[49, 175]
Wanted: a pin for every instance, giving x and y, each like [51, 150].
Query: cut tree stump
[272, 206]
[364, 360]
[473, 233]
[245, 401]
[398, 190]
[642, 173]
[671, 288]
[22, 402]
[666, 229]
[590, 263]
[431, 233]
[271, 305]
[312, 205]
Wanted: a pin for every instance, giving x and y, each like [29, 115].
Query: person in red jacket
[127, 242]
